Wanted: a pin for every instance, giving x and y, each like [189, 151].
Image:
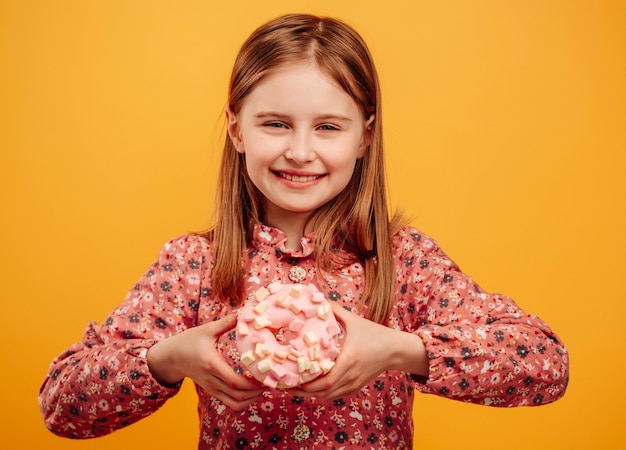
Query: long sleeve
[482, 347]
[103, 383]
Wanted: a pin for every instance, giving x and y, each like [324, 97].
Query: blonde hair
[357, 220]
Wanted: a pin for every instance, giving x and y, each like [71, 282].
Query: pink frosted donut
[287, 334]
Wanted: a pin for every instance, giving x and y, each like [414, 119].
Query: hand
[368, 350]
[193, 354]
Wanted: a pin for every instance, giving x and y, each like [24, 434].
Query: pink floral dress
[482, 348]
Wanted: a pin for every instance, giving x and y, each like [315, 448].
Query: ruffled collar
[273, 239]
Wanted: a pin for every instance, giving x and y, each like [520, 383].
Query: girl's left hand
[368, 350]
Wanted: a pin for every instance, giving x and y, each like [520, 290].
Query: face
[301, 135]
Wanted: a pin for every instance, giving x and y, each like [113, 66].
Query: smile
[298, 178]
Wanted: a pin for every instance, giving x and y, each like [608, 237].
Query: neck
[294, 226]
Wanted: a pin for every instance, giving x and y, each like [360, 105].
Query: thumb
[225, 324]
[340, 312]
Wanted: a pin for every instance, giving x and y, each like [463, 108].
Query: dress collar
[273, 239]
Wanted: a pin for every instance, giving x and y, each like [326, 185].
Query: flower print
[193, 305]
[133, 318]
[193, 279]
[538, 399]
[104, 373]
[124, 389]
[241, 443]
[404, 288]
[275, 439]
[114, 363]
[127, 334]
[379, 385]
[372, 438]
[449, 362]
[447, 278]
[135, 374]
[495, 378]
[443, 302]
[216, 432]
[366, 404]
[205, 292]
[341, 436]
[415, 236]
[522, 351]
[193, 264]
[423, 264]
[499, 335]
[541, 348]
[166, 286]
[393, 436]
[466, 352]
[160, 323]
[296, 399]
[510, 390]
[464, 384]
[267, 406]
[339, 402]
[388, 421]
[334, 295]
[238, 369]
[103, 405]
[528, 381]
[408, 261]
[444, 391]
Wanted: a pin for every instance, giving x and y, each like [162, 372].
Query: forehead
[299, 89]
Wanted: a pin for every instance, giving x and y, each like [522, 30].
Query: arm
[454, 339]
[481, 347]
[104, 382]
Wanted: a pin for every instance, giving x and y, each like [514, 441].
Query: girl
[302, 198]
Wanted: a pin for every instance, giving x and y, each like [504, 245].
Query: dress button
[297, 274]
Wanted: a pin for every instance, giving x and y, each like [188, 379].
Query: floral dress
[482, 348]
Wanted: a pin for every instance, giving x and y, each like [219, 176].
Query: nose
[300, 148]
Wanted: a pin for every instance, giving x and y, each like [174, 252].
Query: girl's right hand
[193, 354]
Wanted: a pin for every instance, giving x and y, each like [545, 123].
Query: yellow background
[505, 141]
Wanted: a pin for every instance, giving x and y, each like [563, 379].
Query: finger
[225, 324]
[229, 379]
[340, 312]
[235, 403]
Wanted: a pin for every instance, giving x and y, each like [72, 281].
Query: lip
[301, 179]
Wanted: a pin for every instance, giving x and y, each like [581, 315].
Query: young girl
[301, 198]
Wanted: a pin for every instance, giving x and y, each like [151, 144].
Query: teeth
[299, 179]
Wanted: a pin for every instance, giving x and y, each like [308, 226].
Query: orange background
[505, 141]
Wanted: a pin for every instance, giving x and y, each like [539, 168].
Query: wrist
[410, 354]
[162, 366]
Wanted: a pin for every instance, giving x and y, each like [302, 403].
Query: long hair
[357, 219]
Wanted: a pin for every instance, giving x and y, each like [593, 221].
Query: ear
[233, 129]
[367, 136]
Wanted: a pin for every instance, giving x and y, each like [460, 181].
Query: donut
[287, 334]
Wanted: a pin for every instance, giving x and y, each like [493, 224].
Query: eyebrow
[272, 114]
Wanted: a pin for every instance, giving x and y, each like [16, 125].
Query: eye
[275, 125]
[328, 127]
